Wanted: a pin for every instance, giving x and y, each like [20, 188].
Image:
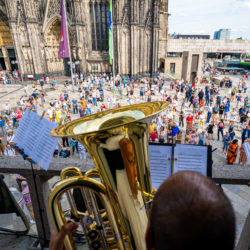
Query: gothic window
[100, 25]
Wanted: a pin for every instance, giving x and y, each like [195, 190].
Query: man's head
[190, 212]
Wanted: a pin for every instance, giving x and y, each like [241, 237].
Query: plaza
[62, 61]
[114, 97]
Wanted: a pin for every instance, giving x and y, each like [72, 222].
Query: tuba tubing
[117, 141]
[55, 210]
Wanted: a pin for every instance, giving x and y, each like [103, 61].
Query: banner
[110, 34]
[64, 46]
[246, 146]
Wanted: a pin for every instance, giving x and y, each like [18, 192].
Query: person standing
[153, 135]
[58, 115]
[221, 110]
[42, 100]
[175, 130]
[220, 129]
[200, 95]
[215, 114]
[233, 117]
[209, 113]
[231, 131]
[2, 125]
[181, 118]
[27, 200]
[203, 138]
[210, 131]
[226, 111]
[75, 107]
[243, 156]
[108, 101]
[103, 107]
[6, 107]
[82, 112]
[202, 119]
[54, 83]
[89, 105]
[244, 132]
[189, 120]
[82, 151]
[226, 140]
[41, 83]
[232, 152]
[74, 144]
[94, 98]
[50, 113]
[207, 97]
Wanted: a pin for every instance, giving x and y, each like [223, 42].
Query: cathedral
[30, 36]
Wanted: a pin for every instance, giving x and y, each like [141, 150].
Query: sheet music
[46, 145]
[33, 135]
[190, 158]
[23, 128]
[246, 146]
[34, 129]
[160, 158]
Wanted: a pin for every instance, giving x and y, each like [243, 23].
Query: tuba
[110, 202]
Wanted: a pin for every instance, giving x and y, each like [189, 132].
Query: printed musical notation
[160, 158]
[166, 160]
[190, 158]
[33, 136]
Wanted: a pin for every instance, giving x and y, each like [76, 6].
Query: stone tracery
[132, 20]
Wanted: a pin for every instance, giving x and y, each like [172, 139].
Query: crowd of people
[199, 113]
[89, 96]
[203, 113]
[9, 77]
[196, 111]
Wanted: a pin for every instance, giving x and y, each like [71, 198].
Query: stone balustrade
[227, 174]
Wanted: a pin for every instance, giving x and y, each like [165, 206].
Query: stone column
[81, 31]
[185, 74]
[18, 40]
[6, 58]
[33, 30]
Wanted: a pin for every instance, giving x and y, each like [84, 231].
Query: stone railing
[16, 165]
[227, 174]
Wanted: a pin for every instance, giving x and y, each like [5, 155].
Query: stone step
[240, 199]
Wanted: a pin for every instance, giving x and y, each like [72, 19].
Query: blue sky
[207, 16]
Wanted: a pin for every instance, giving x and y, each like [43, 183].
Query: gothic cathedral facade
[31, 30]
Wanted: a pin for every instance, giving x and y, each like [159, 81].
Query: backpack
[65, 153]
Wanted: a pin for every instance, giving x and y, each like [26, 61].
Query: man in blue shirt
[75, 108]
[175, 131]
[66, 96]
[226, 111]
[2, 125]
[209, 113]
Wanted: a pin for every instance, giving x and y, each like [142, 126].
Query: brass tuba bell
[109, 201]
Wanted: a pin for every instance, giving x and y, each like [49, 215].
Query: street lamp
[21, 63]
[73, 65]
